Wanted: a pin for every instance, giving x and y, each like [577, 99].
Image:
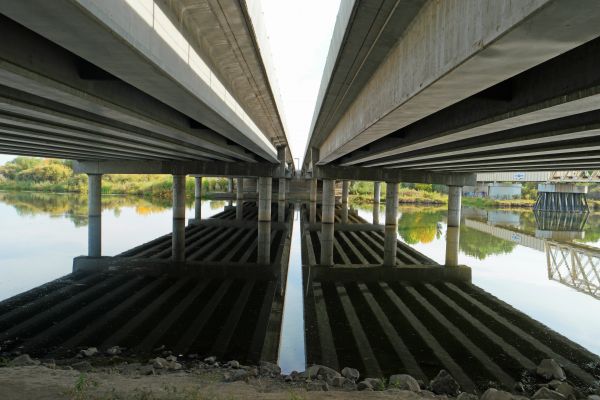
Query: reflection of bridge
[571, 264]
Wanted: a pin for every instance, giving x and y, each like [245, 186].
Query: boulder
[351, 373]
[113, 351]
[444, 383]
[267, 368]
[566, 390]
[210, 360]
[236, 375]
[495, 394]
[549, 369]
[338, 381]
[364, 385]
[317, 386]
[376, 383]
[593, 397]
[545, 393]
[158, 363]
[234, 364]
[404, 382]
[328, 373]
[89, 352]
[466, 396]
[22, 361]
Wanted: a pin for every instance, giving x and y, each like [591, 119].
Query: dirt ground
[41, 383]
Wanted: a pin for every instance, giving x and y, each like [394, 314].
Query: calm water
[41, 233]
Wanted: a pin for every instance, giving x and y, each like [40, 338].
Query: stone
[89, 352]
[234, 364]
[404, 382]
[23, 361]
[312, 371]
[519, 387]
[495, 394]
[427, 393]
[82, 366]
[317, 386]
[444, 383]
[288, 378]
[351, 373]
[566, 390]
[236, 375]
[593, 397]
[268, 368]
[328, 373]
[545, 393]
[159, 363]
[338, 381]
[146, 370]
[376, 383]
[113, 351]
[550, 369]
[171, 359]
[364, 385]
[466, 396]
[210, 360]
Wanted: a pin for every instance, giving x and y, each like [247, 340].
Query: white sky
[299, 35]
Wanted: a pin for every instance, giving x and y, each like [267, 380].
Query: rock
[158, 363]
[288, 378]
[210, 360]
[404, 382]
[364, 385]
[234, 364]
[338, 381]
[236, 375]
[566, 390]
[466, 396]
[89, 352]
[174, 366]
[444, 383]
[545, 393]
[82, 366]
[317, 386]
[312, 372]
[23, 361]
[550, 369]
[495, 394]
[519, 387]
[328, 373]
[113, 351]
[351, 374]
[427, 393]
[267, 368]
[171, 359]
[146, 370]
[593, 397]
[376, 384]
[49, 364]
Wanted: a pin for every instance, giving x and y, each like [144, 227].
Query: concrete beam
[393, 175]
[428, 70]
[204, 168]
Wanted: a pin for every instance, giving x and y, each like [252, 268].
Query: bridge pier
[197, 201]
[313, 201]
[230, 191]
[239, 208]
[264, 219]
[345, 192]
[376, 201]
[327, 221]
[453, 228]
[561, 197]
[391, 224]
[94, 215]
[178, 238]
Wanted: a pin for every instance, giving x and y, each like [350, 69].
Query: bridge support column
[197, 199]
[94, 215]
[230, 190]
[264, 219]
[281, 200]
[239, 208]
[376, 201]
[313, 201]
[453, 231]
[561, 197]
[391, 224]
[345, 193]
[178, 237]
[327, 221]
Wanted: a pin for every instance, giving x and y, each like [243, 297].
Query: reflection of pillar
[345, 191]
[452, 233]
[94, 215]
[281, 198]
[376, 201]
[391, 224]
[327, 221]
[198, 198]
[239, 209]
[178, 238]
[264, 198]
[313, 201]
[264, 242]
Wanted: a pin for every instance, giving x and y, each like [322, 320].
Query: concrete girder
[17, 144]
[508, 163]
[203, 168]
[588, 165]
[128, 40]
[36, 109]
[564, 86]
[429, 70]
[393, 175]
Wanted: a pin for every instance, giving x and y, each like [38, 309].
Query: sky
[299, 41]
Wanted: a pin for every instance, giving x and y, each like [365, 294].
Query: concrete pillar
[264, 242]
[376, 201]
[229, 185]
[94, 215]
[327, 221]
[313, 201]
[264, 198]
[453, 231]
[198, 198]
[281, 195]
[239, 209]
[345, 192]
[391, 224]
[178, 238]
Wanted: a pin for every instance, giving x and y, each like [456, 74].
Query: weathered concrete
[327, 221]
[391, 224]
[453, 230]
[94, 215]
[264, 242]
[313, 201]
[264, 198]
[178, 239]
[239, 207]
[198, 197]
